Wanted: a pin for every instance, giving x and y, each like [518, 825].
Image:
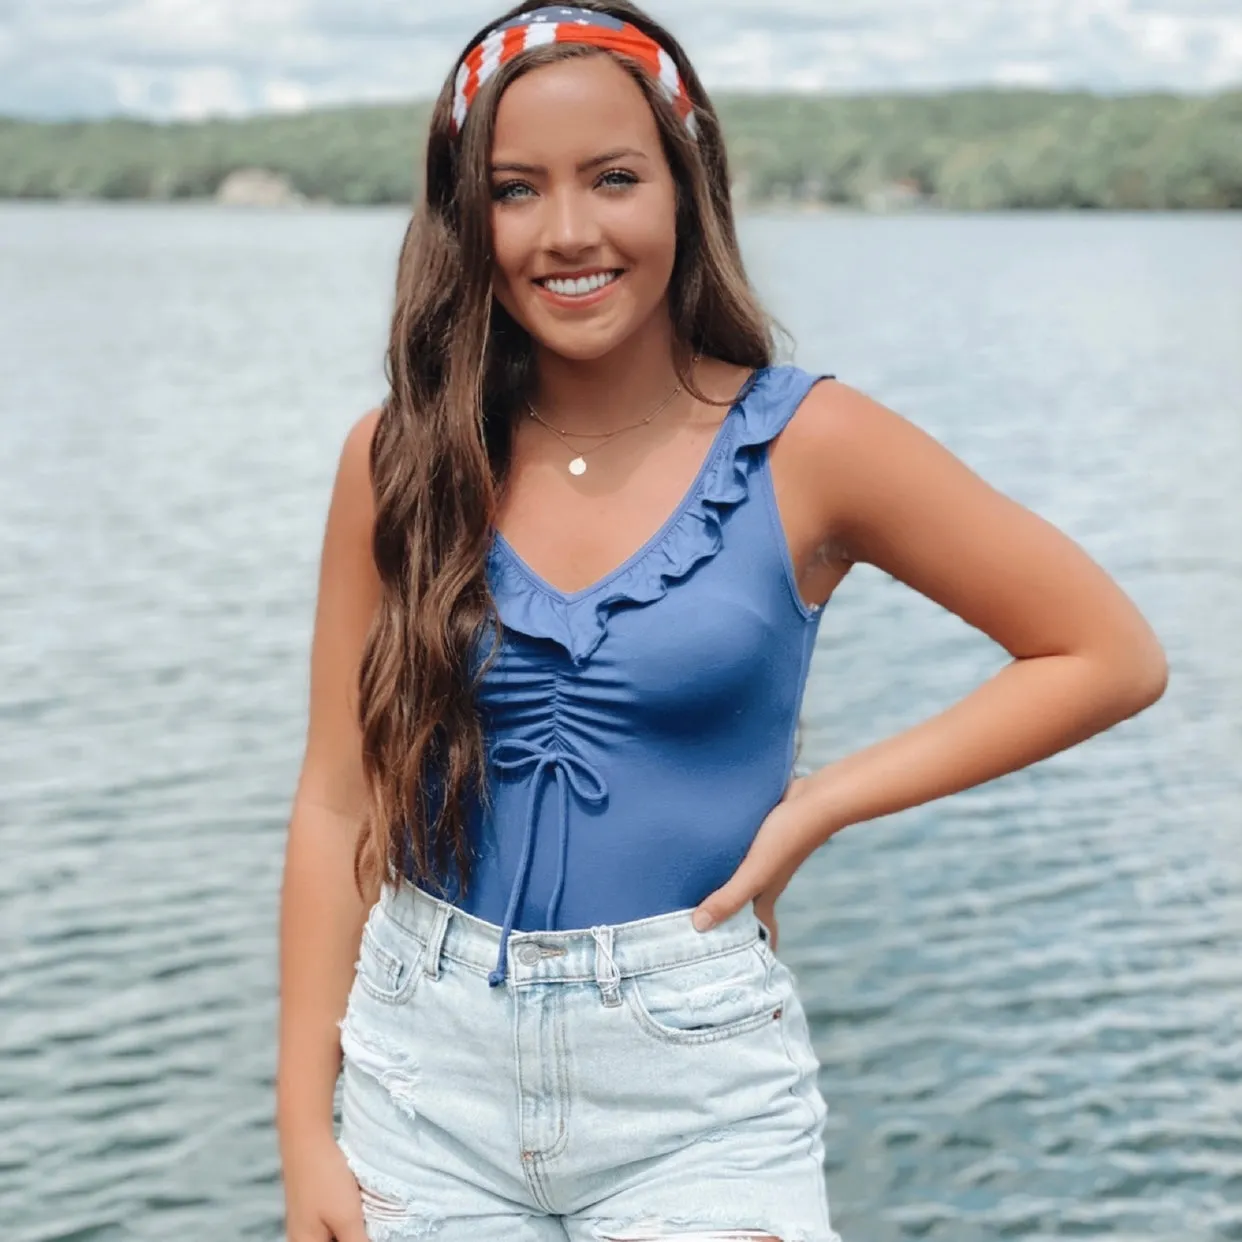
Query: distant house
[902, 195]
[258, 187]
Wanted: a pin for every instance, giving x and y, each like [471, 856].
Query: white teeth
[580, 287]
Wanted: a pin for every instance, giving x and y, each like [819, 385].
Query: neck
[601, 394]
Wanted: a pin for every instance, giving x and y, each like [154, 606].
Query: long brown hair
[458, 366]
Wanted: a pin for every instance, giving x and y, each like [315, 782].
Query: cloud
[190, 58]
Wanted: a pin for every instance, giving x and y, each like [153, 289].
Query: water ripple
[1026, 998]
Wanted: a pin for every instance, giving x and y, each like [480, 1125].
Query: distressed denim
[629, 1081]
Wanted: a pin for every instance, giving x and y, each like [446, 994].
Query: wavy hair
[458, 369]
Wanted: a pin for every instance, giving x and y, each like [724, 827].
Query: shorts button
[528, 954]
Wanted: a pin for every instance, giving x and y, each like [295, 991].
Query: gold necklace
[578, 464]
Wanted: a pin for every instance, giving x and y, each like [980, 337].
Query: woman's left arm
[1084, 658]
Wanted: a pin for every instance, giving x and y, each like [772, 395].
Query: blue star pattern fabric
[557, 15]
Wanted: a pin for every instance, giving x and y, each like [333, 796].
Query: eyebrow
[606, 158]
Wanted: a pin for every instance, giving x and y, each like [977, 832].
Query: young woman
[571, 580]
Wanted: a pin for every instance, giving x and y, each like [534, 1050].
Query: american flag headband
[565, 25]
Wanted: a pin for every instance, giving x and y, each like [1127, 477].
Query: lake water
[1027, 998]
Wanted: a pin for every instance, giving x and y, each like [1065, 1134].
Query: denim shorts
[628, 1081]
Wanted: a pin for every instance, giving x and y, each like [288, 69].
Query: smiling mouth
[579, 286]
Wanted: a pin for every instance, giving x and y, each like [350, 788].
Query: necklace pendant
[577, 466]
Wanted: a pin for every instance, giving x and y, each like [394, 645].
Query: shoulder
[350, 528]
[828, 415]
[891, 494]
[356, 450]
[353, 488]
[860, 466]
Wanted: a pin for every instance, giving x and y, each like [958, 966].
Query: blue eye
[506, 193]
[618, 178]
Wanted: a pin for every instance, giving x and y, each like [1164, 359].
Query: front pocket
[389, 960]
[698, 1002]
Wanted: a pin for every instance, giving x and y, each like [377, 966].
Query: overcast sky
[191, 58]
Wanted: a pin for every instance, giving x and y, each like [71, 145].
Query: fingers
[350, 1230]
[318, 1232]
[720, 905]
[745, 884]
[766, 862]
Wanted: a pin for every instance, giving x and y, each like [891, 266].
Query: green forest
[962, 150]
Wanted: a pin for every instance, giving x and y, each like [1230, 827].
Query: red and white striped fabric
[565, 25]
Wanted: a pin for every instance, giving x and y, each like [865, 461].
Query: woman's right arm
[321, 913]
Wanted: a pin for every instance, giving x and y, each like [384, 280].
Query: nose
[572, 226]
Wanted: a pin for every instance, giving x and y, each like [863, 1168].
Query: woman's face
[583, 207]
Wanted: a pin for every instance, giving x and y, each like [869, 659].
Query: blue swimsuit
[640, 730]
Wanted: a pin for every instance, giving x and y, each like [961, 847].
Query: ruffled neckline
[578, 620]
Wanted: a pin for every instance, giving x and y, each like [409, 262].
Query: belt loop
[435, 939]
[607, 975]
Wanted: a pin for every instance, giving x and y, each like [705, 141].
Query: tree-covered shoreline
[959, 150]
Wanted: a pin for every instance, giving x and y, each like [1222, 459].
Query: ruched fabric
[660, 701]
